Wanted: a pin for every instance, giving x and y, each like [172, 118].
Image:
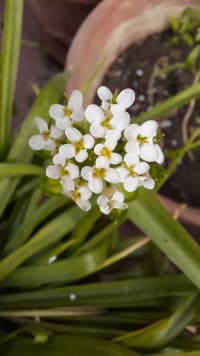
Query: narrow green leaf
[9, 63]
[156, 222]
[18, 169]
[65, 345]
[20, 152]
[64, 271]
[120, 293]
[46, 236]
[159, 334]
[24, 231]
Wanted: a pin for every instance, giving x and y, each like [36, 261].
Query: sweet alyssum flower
[99, 156]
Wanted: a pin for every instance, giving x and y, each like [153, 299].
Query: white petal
[120, 120]
[141, 168]
[67, 184]
[111, 144]
[53, 172]
[78, 115]
[105, 209]
[62, 124]
[102, 162]
[98, 148]
[148, 152]
[49, 145]
[122, 172]
[104, 93]
[113, 134]
[115, 158]
[102, 200]
[67, 150]
[59, 159]
[86, 172]
[56, 111]
[41, 125]
[85, 193]
[36, 142]
[112, 176]
[73, 171]
[131, 184]
[120, 206]
[55, 132]
[131, 159]
[126, 98]
[149, 128]
[132, 147]
[83, 204]
[148, 183]
[81, 156]
[116, 108]
[97, 130]
[95, 185]
[94, 114]
[88, 141]
[75, 100]
[160, 157]
[118, 196]
[131, 132]
[73, 134]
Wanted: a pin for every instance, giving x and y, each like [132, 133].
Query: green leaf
[45, 237]
[156, 222]
[8, 69]
[17, 169]
[191, 59]
[65, 345]
[133, 292]
[24, 231]
[64, 271]
[162, 332]
[20, 152]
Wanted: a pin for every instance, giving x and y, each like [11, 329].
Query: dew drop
[72, 296]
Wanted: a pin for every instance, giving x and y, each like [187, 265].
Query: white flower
[106, 154]
[65, 172]
[47, 138]
[97, 175]
[78, 146]
[116, 103]
[65, 116]
[104, 124]
[80, 196]
[135, 174]
[109, 202]
[141, 141]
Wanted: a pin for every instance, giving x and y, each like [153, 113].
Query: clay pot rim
[187, 214]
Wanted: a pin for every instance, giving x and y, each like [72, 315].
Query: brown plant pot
[110, 28]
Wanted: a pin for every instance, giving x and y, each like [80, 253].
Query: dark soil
[134, 69]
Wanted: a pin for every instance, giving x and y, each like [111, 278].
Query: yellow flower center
[67, 111]
[106, 122]
[106, 152]
[99, 173]
[63, 171]
[131, 171]
[141, 139]
[75, 195]
[79, 145]
[46, 135]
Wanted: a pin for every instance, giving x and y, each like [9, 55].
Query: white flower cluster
[98, 152]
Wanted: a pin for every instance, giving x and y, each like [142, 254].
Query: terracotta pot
[111, 27]
[59, 20]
